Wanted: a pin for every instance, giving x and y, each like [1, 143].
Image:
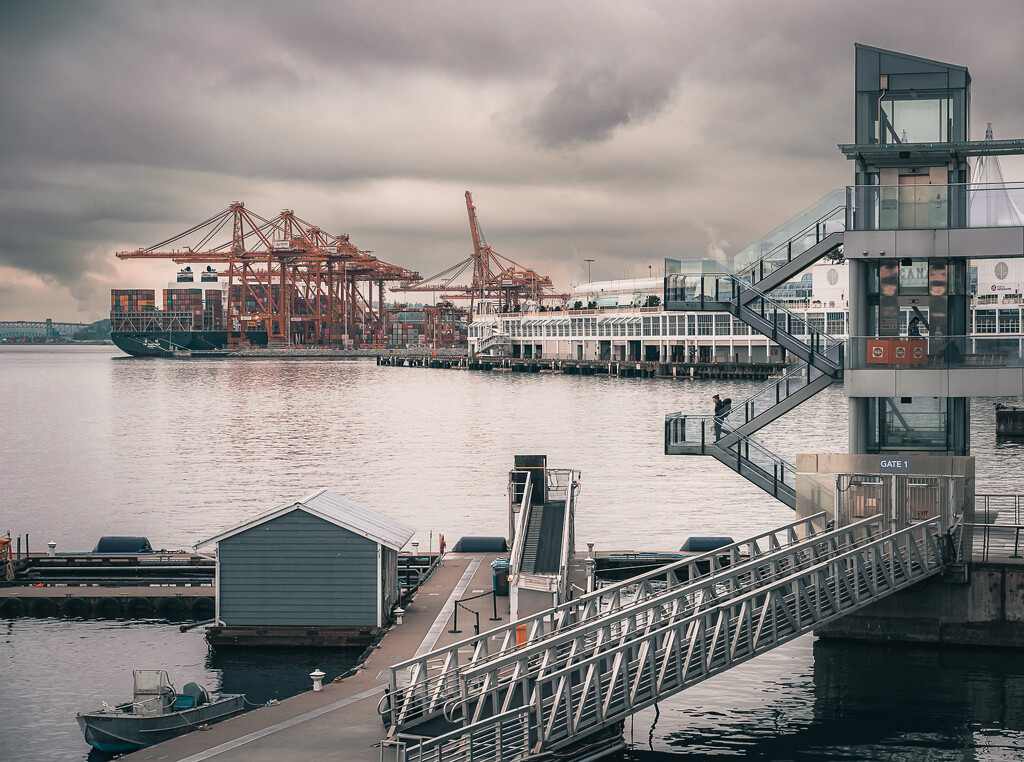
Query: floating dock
[342, 722]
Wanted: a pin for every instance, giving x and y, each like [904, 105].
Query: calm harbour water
[179, 450]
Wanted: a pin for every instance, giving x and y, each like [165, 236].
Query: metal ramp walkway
[545, 683]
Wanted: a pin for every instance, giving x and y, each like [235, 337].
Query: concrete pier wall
[986, 611]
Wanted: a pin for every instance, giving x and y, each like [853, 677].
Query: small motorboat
[155, 714]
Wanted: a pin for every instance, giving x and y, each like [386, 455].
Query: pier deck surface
[341, 722]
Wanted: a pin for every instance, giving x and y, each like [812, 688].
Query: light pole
[649, 273]
[588, 261]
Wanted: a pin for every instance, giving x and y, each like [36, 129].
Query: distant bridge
[45, 329]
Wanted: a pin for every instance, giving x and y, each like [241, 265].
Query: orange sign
[878, 351]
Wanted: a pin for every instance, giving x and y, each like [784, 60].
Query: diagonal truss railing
[502, 738]
[503, 683]
[610, 685]
[422, 686]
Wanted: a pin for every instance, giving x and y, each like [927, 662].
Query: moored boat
[155, 714]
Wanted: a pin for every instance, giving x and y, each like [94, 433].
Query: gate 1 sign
[894, 465]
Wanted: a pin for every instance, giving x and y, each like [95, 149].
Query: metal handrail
[658, 663]
[521, 523]
[788, 244]
[482, 684]
[425, 689]
[822, 342]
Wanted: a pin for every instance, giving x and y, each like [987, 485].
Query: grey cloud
[589, 106]
[619, 131]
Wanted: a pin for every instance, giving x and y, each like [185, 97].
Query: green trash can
[499, 576]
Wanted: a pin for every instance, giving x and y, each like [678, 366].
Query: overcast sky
[622, 132]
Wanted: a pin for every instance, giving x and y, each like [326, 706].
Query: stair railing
[783, 253]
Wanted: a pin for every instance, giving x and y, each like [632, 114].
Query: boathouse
[320, 571]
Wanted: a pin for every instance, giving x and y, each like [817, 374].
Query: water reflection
[263, 674]
[863, 701]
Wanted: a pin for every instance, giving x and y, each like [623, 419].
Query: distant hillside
[98, 331]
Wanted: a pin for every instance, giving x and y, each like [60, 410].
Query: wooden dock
[341, 722]
[617, 368]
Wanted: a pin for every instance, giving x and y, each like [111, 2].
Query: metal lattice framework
[423, 686]
[626, 653]
[609, 686]
[494, 279]
[42, 328]
[286, 276]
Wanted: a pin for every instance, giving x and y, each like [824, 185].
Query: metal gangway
[547, 682]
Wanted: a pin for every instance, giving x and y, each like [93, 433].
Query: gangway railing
[421, 686]
[519, 493]
[500, 684]
[605, 688]
[592, 675]
[499, 739]
[699, 435]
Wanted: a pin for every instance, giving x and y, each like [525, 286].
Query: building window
[985, 321]
[1009, 321]
[705, 325]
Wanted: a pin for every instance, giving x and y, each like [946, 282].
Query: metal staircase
[532, 542]
[695, 435]
[766, 265]
[588, 664]
[796, 244]
[494, 341]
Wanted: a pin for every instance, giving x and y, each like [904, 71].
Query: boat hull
[116, 732]
[158, 343]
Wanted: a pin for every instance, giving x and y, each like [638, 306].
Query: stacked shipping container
[213, 311]
[132, 299]
[184, 300]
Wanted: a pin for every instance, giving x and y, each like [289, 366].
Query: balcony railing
[932, 352]
[927, 207]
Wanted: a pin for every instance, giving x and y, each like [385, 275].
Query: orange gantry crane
[496, 280]
[287, 277]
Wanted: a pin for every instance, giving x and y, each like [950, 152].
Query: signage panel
[878, 351]
[888, 465]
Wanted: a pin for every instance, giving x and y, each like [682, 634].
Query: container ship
[192, 317]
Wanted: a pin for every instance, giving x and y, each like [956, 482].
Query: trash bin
[499, 576]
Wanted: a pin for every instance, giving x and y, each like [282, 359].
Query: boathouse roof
[339, 511]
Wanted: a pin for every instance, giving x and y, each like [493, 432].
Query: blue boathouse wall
[299, 569]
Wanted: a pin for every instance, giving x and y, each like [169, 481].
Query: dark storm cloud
[623, 132]
[589, 105]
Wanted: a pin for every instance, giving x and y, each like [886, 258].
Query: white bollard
[318, 679]
[399, 613]
[53, 547]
